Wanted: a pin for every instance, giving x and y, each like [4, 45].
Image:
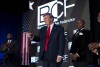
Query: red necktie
[8, 43]
[47, 39]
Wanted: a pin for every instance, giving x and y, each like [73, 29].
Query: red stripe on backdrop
[25, 42]
[24, 47]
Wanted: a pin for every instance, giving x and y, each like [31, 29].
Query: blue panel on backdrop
[1, 55]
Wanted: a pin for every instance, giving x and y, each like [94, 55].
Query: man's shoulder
[87, 30]
[44, 27]
[14, 41]
[59, 26]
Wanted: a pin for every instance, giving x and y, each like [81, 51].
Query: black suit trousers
[47, 63]
[80, 64]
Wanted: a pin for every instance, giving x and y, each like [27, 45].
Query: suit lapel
[43, 32]
[75, 36]
[11, 43]
[52, 32]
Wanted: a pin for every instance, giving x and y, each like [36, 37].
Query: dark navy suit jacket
[80, 43]
[56, 42]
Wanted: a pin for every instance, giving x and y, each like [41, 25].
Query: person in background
[52, 41]
[10, 49]
[79, 48]
[96, 45]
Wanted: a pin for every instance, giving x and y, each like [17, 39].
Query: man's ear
[52, 19]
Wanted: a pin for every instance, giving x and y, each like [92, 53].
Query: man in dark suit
[79, 48]
[10, 48]
[96, 45]
[52, 42]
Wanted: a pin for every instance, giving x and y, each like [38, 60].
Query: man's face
[9, 36]
[47, 20]
[79, 24]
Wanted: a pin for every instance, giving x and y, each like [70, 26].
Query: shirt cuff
[77, 54]
[60, 56]
[99, 44]
[71, 53]
[32, 38]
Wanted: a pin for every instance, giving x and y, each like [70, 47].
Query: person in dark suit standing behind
[10, 48]
[52, 41]
[96, 45]
[79, 48]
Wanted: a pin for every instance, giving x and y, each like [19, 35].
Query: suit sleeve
[15, 47]
[37, 38]
[61, 42]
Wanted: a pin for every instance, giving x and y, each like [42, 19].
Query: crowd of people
[52, 45]
[53, 41]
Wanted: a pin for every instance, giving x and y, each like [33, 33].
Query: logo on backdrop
[34, 59]
[52, 7]
[30, 5]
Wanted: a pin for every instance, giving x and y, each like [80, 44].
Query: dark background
[11, 17]
[95, 27]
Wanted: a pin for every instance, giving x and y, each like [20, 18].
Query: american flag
[25, 42]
